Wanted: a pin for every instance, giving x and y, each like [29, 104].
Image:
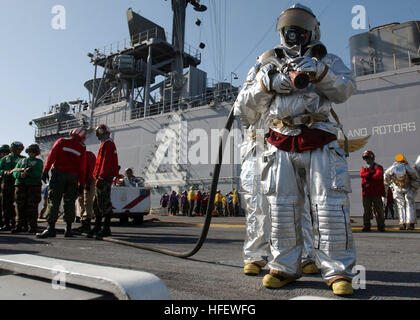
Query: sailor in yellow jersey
[191, 201]
[218, 202]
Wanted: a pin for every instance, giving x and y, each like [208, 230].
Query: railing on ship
[62, 128]
[110, 97]
[363, 66]
[210, 98]
[45, 131]
[126, 43]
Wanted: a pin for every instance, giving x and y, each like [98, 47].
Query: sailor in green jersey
[28, 184]
[7, 164]
[4, 151]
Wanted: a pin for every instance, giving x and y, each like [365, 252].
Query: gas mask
[296, 36]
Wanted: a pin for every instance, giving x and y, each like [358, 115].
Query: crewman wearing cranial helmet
[67, 162]
[7, 164]
[27, 174]
[106, 168]
[404, 182]
[293, 86]
[4, 151]
[373, 190]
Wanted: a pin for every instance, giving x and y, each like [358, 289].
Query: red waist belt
[309, 139]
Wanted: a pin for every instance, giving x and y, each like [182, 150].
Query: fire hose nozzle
[300, 80]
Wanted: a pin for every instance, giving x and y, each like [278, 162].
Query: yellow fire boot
[275, 281]
[309, 267]
[342, 288]
[252, 269]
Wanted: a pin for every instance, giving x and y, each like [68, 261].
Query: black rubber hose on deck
[209, 212]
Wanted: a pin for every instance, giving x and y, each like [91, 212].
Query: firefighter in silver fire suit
[417, 165]
[256, 245]
[404, 182]
[296, 84]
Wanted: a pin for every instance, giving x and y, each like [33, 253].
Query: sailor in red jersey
[67, 161]
[373, 190]
[106, 168]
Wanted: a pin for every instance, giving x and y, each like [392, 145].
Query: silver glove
[309, 65]
[281, 83]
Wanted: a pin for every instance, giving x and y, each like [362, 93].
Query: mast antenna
[178, 36]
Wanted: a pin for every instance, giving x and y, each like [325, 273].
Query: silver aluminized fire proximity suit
[256, 248]
[417, 166]
[404, 182]
[256, 245]
[288, 113]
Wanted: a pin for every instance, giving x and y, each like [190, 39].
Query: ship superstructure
[160, 107]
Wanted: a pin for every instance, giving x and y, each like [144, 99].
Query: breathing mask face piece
[399, 172]
[295, 36]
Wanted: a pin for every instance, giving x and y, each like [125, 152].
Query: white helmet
[298, 26]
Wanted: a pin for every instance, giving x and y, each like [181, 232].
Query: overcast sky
[41, 66]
